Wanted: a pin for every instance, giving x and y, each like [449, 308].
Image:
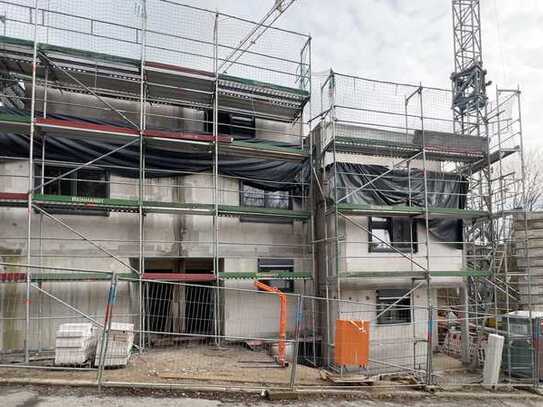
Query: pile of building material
[75, 343]
[119, 345]
[452, 346]
[492, 366]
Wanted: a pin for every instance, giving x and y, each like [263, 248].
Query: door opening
[182, 300]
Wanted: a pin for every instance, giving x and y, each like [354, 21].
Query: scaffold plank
[162, 139]
[19, 277]
[80, 128]
[12, 123]
[417, 212]
[279, 275]
[132, 205]
[167, 82]
[415, 274]
[356, 145]
[265, 212]
[187, 277]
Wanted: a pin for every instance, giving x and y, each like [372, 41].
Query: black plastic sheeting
[445, 190]
[267, 174]
[402, 186]
[273, 175]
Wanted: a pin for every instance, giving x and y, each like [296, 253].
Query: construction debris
[348, 379]
[274, 395]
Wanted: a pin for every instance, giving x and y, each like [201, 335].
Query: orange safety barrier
[352, 343]
[282, 320]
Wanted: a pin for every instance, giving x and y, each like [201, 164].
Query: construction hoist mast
[468, 79]
[469, 107]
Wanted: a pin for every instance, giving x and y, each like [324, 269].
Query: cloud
[411, 41]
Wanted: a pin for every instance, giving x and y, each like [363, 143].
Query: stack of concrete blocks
[530, 260]
[75, 343]
[119, 346]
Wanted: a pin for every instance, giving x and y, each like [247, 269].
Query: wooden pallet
[348, 379]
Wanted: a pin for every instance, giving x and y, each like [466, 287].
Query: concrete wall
[49, 310]
[354, 247]
[246, 313]
[157, 116]
[402, 345]
[356, 257]
[242, 243]
[390, 345]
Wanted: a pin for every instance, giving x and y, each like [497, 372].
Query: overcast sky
[411, 41]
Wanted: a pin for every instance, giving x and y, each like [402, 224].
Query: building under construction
[158, 159]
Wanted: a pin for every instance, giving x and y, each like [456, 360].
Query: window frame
[239, 126]
[286, 265]
[386, 297]
[74, 180]
[262, 219]
[266, 197]
[388, 224]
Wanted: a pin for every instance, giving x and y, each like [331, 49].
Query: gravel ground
[42, 396]
[190, 363]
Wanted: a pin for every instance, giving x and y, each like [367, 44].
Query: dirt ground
[233, 365]
[47, 396]
[207, 363]
[451, 371]
[190, 363]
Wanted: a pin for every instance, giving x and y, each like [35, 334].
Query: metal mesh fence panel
[360, 343]
[175, 34]
[385, 119]
[64, 317]
[180, 35]
[269, 55]
[192, 332]
[160, 332]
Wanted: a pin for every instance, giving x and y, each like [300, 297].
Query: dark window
[400, 233]
[253, 197]
[270, 267]
[233, 124]
[399, 313]
[259, 198]
[85, 182]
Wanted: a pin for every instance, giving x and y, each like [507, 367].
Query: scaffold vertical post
[312, 207]
[104, 339]
[526, 246]
[141, 181]
[216, 270]
[30, 188]
[296, 348]
[335, 192]
[430, 310]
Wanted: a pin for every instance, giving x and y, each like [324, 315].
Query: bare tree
[534, 179]
[533, 183]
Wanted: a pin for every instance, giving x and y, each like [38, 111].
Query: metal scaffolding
[190, 108]
[158, 75]
[406, 131]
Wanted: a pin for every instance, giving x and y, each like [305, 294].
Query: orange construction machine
[282, 321]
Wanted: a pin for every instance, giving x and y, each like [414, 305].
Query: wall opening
[181, 300]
